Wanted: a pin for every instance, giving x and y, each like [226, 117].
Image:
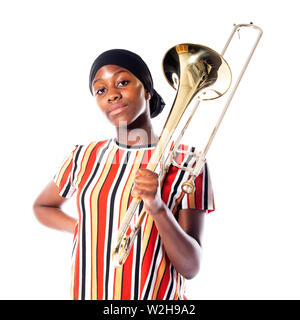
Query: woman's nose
[114, 96]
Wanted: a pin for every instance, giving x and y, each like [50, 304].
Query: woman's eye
[123, 83]
[100, 91]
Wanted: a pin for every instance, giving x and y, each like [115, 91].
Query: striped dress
[101, 175]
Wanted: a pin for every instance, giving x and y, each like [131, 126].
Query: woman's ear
[147, 95]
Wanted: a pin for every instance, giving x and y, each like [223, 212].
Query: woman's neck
[141, 134]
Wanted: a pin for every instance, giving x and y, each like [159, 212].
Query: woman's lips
[117, 109]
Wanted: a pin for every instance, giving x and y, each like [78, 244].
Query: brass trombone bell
[199, 68]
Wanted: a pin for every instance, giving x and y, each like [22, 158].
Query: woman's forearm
[54, 217]
[183, 250]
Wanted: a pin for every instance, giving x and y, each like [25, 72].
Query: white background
[251, 245]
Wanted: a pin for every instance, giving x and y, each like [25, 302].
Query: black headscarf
[133, 63]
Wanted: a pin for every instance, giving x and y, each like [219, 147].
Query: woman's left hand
[147, 187]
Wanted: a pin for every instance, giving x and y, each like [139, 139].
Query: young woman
[107, 174]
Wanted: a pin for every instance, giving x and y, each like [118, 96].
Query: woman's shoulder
[89, 146]
[93, 144]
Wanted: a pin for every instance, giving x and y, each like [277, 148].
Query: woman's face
[120, 95]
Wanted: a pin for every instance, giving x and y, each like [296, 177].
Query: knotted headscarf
[135, 64]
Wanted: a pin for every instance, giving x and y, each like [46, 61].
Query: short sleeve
[202, 198]
[63, 177]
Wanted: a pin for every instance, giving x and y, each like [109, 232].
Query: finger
[143, 194]
[145, 172]
[146, 179]
[135, 193]
[152, 187]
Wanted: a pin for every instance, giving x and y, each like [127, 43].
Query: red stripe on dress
[198, 192]
[103, 216]
[168, 184]
[127, 267]
[165, 280]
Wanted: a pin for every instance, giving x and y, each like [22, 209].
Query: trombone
[194, 71]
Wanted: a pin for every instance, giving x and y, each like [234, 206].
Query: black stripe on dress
[75, 161]
[171, 284]
[152, 269]
[66, 189]
[205, 187]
